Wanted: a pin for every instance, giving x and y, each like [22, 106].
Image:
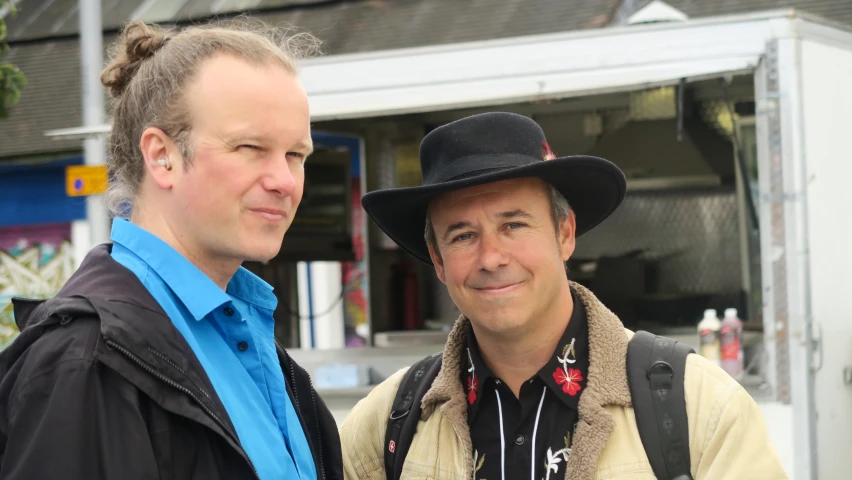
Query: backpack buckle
[661, 374]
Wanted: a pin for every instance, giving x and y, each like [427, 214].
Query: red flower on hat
[548, 153]
[472, 385]
[569, 379]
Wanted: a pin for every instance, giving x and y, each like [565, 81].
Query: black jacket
[101, 385]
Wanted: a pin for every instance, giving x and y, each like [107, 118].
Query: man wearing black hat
[532, 382]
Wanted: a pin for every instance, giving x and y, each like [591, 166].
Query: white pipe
[326, 291]
[94, 147]
[81, 240]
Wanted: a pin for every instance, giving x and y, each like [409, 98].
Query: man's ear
[566, 236]
[160, 155]
[438, 262]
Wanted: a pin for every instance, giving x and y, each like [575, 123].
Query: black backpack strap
[405, 412]
[655, 370]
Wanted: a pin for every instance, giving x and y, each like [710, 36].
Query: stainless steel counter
[384, 362]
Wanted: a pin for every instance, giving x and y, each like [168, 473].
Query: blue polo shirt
[232, 334]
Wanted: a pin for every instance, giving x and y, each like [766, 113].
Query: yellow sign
[83, 180]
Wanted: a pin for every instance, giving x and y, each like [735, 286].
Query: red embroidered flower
[570, 382]
[548, 153]
[472, 385]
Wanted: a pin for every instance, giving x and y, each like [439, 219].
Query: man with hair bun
[158, 358]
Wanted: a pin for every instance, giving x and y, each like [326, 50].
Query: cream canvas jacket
[728, 438]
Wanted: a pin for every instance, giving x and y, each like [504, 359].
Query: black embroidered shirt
[512, 436]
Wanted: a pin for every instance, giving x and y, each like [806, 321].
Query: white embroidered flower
[564, 360]
[554, 459]
[477, 465]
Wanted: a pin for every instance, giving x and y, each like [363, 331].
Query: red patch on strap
[392, 446]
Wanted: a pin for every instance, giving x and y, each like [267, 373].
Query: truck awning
[532, 68]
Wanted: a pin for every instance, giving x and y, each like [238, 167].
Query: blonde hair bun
[138, 42]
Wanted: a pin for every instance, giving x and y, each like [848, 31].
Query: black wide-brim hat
[487, 148]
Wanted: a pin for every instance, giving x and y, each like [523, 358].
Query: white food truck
[781, 86]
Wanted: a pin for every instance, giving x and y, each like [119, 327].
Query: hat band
[473, 165]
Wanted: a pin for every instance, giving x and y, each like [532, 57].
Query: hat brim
[594, 188]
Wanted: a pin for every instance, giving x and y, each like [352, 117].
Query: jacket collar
[128, 312]
[607, 386]
[130, 320]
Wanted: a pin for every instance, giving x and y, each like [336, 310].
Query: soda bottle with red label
[731, 340]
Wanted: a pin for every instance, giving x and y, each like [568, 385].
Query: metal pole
[94, 147]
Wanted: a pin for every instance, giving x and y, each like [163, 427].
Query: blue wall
[35, 194]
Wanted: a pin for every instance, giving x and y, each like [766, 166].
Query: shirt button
[243, 346]
[519, 440]
[229, 311]
[498, 382]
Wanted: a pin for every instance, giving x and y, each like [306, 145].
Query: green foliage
[12, 79]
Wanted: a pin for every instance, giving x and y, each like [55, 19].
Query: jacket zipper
[313, 404]
[142, 364]
[182, 371]
[316, 423]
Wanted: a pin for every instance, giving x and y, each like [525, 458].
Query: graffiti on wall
[34, 262]
[355, 279]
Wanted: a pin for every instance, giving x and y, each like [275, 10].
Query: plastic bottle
[708, 337]
[732, 350]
